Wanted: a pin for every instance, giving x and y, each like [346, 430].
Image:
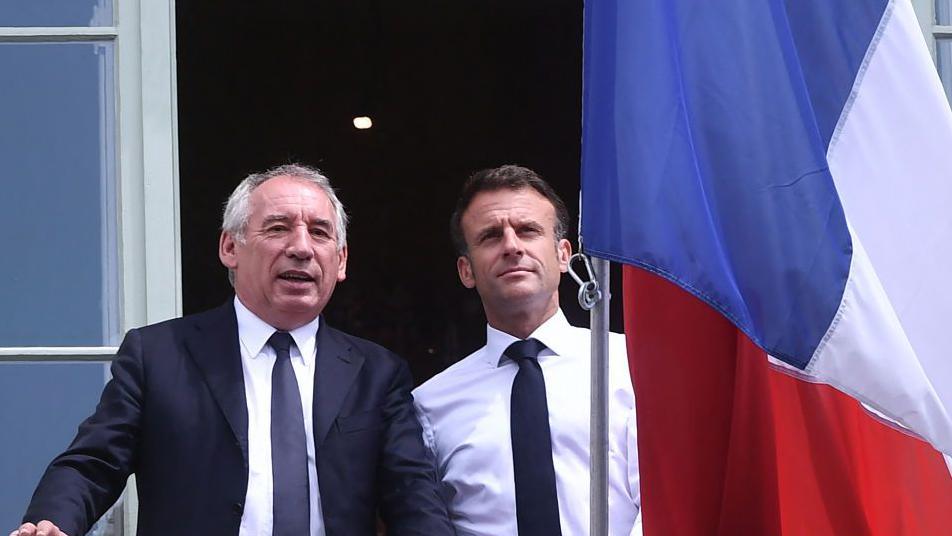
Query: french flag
[777, 176]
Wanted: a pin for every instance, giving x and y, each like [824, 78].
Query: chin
[520, 295]
[299, 304]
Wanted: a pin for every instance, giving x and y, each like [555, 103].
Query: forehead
[498, 206]
[290, 196]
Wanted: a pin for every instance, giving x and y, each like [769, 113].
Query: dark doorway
[452, 87]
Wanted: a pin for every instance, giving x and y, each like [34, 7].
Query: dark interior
[452, 87]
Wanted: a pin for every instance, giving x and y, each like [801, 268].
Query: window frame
[931, 29]
[146, 170]
[147, 211]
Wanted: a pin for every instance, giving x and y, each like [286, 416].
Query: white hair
[237, 208]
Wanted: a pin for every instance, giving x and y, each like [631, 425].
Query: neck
[521, 323]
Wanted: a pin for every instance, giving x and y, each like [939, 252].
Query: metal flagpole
[593, 296]
[598, 446]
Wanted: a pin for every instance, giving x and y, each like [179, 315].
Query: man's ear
[465, 269]
[564, 252]
[227, 250]
[342, 264]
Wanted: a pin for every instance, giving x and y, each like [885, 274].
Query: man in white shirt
[255, 418]
[509, 424]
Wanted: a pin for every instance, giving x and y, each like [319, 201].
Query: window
[935, 18]
[90, 202]
[942, 31]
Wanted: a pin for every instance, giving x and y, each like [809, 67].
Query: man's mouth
[295, 276]
[516, 269]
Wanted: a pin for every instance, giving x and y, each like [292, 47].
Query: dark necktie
[537, 505]
[288, 445]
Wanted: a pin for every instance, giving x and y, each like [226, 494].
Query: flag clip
[588, 292]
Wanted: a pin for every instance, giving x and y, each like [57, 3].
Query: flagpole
[598, 446]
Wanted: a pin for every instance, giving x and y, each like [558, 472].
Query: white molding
[40, 354]
[58, 350]
[149, 215]
[160, 161]
[149, 236]
[43, 34]
[131, 213]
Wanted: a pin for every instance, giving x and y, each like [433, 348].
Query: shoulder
[456, 376]
[617, 343]
[223, 314]
[218, 320]
[360, 346]
[617, 352]
[581, 340]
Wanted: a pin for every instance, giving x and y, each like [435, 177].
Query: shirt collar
[254, 333]
[548, 334]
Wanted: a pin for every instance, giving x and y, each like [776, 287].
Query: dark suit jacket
[175, 414]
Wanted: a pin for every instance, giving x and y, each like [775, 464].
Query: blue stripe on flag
[705, 129]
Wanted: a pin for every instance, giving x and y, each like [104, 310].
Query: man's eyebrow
[321, 222]
[528, 221]
[488, 230]
[274, 218]
[282, 218]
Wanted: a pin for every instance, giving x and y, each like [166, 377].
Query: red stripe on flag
[729, 446]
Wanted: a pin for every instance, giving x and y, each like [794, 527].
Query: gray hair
[237, 210]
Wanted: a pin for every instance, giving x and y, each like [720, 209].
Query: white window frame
[925, 12]
[147, 215]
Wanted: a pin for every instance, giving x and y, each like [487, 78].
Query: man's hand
[45, 528]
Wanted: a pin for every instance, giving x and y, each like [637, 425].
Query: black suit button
[239, 508]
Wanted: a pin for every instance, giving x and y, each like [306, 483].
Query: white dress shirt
[257, 360]
[464, 412]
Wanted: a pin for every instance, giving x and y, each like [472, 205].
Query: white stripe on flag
[890, 163]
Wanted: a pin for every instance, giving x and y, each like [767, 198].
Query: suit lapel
[337, 365]
[213, 346]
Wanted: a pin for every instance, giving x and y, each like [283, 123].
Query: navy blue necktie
[537, 505]
[288, 445]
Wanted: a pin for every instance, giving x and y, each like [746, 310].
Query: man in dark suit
[256, 417]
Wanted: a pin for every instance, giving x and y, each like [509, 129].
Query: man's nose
[299, 243]
[512, 245]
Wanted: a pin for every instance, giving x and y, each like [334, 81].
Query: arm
[408, 485]
[428, 440]
[84, 481]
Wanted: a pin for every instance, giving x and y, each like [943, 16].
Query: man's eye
[489, 237]
[530, 231]
[320, 233]
[276, 228]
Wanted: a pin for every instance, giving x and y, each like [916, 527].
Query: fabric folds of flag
[729, 445]
[786, 163]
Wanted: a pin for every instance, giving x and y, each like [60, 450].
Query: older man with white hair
[255, 418]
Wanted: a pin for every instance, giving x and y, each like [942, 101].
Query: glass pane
[943, 57]
[56, 13]
[43, 403]
[943, 12]
[57, 211]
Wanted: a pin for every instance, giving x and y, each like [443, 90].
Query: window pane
[943, 57]
[943, 12]
[43, 403]
[57, 211]
[56, 13]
